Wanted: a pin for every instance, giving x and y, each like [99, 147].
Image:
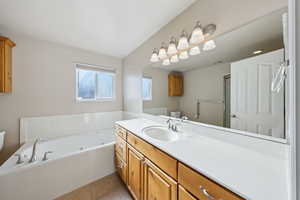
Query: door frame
[227, 76]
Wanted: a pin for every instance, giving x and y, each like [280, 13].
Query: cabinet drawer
[184, 195]
[121, 148]
[121, 132]
[202, 187]
[121, 168]
[161, 159]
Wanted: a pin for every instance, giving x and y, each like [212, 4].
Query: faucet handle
[45, 155]
[19, 161]
[184, 118]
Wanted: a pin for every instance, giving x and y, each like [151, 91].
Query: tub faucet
[33, 157]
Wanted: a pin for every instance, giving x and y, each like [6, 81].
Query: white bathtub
[76, 161]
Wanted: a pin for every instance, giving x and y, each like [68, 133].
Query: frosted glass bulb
[162, 53]
[197, 35]
[154, 56]
[184, 55]
[183, 41]
[195, 51]
[209, 45]
[172, 49]
[166, 61]
[174, 59]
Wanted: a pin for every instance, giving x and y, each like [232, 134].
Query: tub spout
[33, 157]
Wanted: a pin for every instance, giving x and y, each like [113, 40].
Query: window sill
[95, 100]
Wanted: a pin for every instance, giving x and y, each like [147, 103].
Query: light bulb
[195, 51]
[172, 47]
[184, 55]
[174, 59]
[209, 45]
[154, 56]
[183, 41]
[197, 34]
[166, 61]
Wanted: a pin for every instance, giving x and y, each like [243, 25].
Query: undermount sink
[160, 133]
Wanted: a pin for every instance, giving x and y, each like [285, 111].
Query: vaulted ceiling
[114, 27]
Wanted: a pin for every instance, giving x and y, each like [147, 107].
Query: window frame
[151, 95]
[95, 68]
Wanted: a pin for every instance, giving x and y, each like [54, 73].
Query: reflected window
[94, 84]
[147, 89]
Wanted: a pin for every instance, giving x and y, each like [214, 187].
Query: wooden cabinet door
[121, 168]
[184, 195]
[135, 173]
[175, 85]
[157, 184]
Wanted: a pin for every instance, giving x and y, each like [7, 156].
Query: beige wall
[160, 97]
[44, 84]
[205, 84]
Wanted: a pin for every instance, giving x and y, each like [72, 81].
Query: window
[147, 89]
[93, 83]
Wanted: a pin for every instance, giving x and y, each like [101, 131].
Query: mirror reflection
[238, 84]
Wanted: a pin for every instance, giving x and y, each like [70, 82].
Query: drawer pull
[204, 191]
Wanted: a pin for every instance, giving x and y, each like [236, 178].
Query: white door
[254, 108]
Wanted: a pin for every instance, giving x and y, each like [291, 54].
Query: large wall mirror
[239, 84]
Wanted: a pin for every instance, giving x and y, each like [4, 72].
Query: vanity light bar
[186, 45]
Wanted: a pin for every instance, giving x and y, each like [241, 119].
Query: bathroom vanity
[154, 166]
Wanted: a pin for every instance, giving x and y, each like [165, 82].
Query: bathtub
[76, 161]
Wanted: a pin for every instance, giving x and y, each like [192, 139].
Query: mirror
[229, 86]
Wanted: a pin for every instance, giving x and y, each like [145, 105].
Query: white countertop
[254, 171]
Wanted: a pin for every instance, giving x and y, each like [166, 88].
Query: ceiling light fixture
[186, 45]
[195, 51]
[209, 45]
[172, 47]
[154, 57]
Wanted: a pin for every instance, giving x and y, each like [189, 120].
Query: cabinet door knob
[233, 116]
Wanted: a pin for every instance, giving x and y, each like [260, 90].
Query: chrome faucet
[33, 157]
[171, 126]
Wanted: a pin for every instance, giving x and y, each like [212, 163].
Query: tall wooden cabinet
[6, 46]
[175, 84]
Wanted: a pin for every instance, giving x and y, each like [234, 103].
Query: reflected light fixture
[183, 41]
[209, 45]
[195, 51]
[197, 34]
[183, 55]
[257, 52]
[174, 59]
[154, 57]
[162, 54]
[172, 47]
[166, 61]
